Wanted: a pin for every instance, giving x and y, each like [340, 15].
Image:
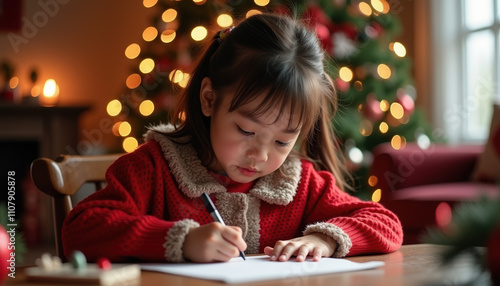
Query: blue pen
[209, 205]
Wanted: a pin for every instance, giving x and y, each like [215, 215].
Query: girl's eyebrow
[254, 118]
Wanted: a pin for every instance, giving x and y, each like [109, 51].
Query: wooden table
[411, 265]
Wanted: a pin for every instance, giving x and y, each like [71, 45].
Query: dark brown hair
[276, 55]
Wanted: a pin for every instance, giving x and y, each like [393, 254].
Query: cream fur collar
[193, 178]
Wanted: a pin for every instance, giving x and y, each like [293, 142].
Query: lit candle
[50, 94]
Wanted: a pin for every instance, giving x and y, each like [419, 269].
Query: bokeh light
[345, 74]
[252, 12]
[168, 36]
[383, 127]
[124, 129]
[384, 71]
[372, 180]
[132, 51]
[114, 107]
[169, 15]
[133, 81]
[147, 65]
[130, 144]
[443, 214]
[397, 110]
[377, 195]
[149, 34]
[149, 3]
[199, 33]
[261, 3]
[146, 108]
[399, 49]
[365, 9]
[224, 20]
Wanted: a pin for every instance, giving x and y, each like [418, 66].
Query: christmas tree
[373, 80]
[370, 70]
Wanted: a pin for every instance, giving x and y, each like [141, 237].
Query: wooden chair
[62, 178]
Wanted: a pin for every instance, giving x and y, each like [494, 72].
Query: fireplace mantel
[55, 128]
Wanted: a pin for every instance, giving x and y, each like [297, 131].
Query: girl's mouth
[247, 171]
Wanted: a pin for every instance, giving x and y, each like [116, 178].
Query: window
[466, 50]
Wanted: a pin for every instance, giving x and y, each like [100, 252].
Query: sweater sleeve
[359, 227]
[125, 219]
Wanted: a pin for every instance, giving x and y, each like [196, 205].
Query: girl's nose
[258, 153]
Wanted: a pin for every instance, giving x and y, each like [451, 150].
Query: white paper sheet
[259, 268]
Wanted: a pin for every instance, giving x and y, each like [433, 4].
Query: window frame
[452, 103]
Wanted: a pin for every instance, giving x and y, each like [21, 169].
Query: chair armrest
[413, 166]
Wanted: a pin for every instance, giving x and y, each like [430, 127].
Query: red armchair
[422, 186]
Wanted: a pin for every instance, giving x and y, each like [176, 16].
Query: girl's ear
[207, 97]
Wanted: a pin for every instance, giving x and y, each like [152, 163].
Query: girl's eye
[283, 144]
[244, 132]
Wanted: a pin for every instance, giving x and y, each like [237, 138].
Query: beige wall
[81, 45]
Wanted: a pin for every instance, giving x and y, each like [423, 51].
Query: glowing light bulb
[133, 81]
[114, 107]
[261, 3]
[149, 3]
[383, 127]
[365, 9]
[14, 82]
[168, 36]
[372, 180]
[185, 79]
[130, 144]
[345, 74]
[132, 51]
[384, 105]
[397, 110]
[252, 12]
[146, 108]
[149, 34]
[147, 65]
[176, 76]
[377, 5]
[384, 71]
[199, 33]
[399, 49]
[169, 15]
[377, 195]
[224, 20]
[50, 93]
[124, 129]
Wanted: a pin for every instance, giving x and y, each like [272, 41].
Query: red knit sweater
[152, 200]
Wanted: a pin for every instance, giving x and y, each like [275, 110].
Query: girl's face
[246, 147]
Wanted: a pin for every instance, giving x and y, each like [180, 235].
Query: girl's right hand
[213, 242]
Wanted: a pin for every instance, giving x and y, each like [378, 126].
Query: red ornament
[7, 260]
[406, 102]
[493, 255]
[342, 85]
[371, 109]
[321, 23]
[103, 263]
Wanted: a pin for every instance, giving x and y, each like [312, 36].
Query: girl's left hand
[316, 245]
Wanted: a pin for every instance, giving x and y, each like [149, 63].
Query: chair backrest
[62, 178]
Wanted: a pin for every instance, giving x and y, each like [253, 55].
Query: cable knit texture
[152, 200]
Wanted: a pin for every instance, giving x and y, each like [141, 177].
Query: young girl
[253, 130]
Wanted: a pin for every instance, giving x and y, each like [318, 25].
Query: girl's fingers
[317, 254]
[302, 253]
[232, 235]
[287, 251]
